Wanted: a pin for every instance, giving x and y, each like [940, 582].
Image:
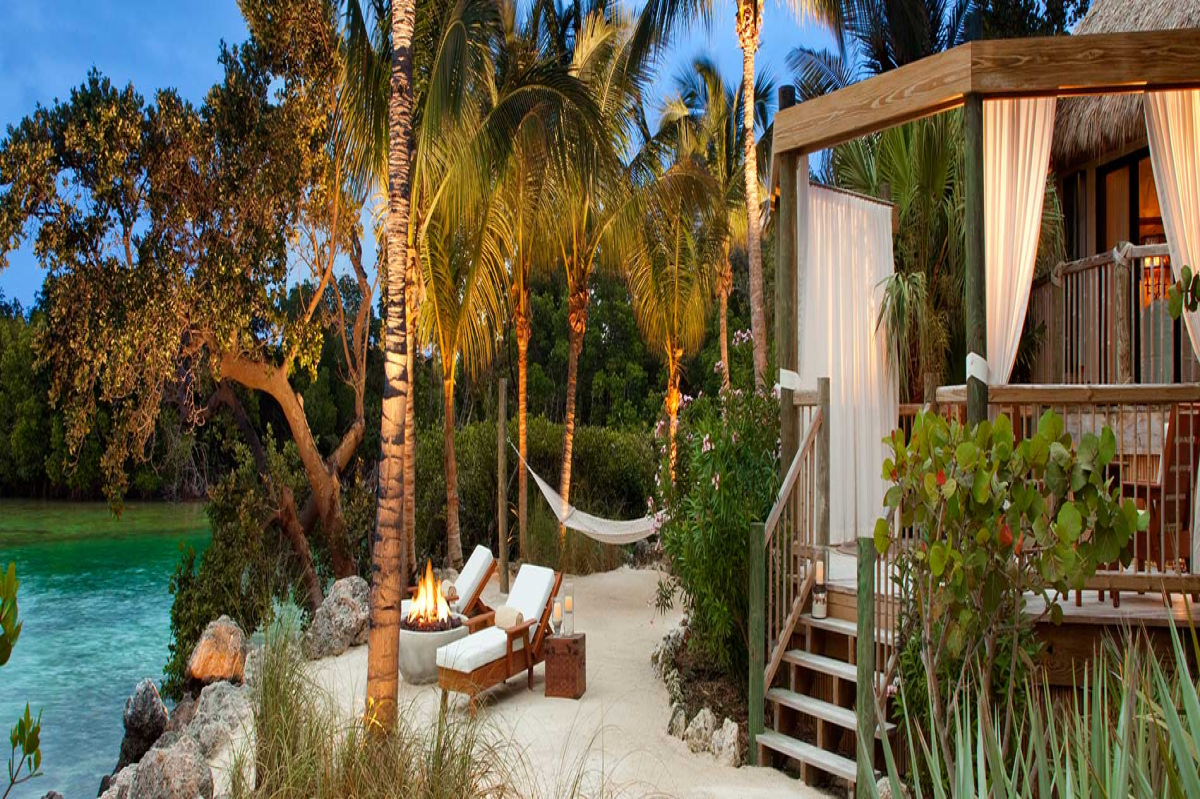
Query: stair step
[807, 753]
[819, 709]
[841, 627]
[822, 664]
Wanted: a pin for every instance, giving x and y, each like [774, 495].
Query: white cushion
[471, 575]
[476, 650]
[405, 608]
[507, 617]
[531, 591]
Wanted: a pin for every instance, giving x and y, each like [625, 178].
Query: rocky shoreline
[174, 754]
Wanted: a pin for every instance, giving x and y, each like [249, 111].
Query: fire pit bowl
[418, 651]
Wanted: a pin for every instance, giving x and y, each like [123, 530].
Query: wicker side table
[566, 665]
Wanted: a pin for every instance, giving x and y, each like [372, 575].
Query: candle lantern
[820, 596]
[568, 609]
[556, 617]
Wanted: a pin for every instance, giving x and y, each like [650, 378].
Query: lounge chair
[471, 581]
[491, 655]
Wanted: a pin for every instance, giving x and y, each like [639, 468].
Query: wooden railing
[1157, 431]
[1104, 320]
[785, 548]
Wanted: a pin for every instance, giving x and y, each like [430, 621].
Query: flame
[429, 606]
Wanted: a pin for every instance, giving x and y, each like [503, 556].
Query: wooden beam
[1051, 66]
[975, 308]
[787, 264]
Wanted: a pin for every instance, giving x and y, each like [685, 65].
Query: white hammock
[606, 531]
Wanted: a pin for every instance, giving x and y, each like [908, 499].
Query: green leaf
[937, 559]
[1050, 426]
[1069, 524]
[981, 488]
[1108, 447]
[883, 539]
[966, 454]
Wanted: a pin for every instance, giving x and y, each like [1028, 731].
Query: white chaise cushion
[476, 650]
[531, 590]
[472, 575]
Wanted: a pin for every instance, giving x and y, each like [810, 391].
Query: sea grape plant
[1184, 293]
[985, 519]
[27, 732]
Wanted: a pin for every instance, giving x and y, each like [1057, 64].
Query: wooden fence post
[502, 482]
[758, 634]
[864, 704]
[786, 313]
[822, 487]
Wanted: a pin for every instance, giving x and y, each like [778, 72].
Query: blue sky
[46, 48]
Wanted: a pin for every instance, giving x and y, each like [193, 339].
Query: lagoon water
[96, 610]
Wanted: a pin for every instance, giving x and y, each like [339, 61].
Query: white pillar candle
[820, 572]
[557, 610]
[570, 604]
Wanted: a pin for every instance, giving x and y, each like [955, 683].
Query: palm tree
[383, 643]
[670, 277]
[595, 203]
[463, 262]
[713, 112]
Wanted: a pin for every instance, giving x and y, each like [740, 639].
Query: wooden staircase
[811, 724]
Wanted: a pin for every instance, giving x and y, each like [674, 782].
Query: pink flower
[718, 367]
[706, 445]
[716, 481]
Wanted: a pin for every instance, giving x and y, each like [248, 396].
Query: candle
[820, 572]
[558, 611]
[570, 604]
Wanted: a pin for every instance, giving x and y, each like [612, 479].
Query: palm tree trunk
[577, 325]
[749, 23]
[454, 555]
[408, 558]
[726, 285]
[383, 641]
[523, 336]
[672, 413]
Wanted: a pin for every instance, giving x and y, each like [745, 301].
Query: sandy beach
[617, 731]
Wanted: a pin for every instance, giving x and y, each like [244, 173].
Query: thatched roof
[1088, 127]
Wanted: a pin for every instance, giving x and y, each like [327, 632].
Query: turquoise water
[96, 609]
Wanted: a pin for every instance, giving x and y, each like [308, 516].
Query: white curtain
[846, 243]
[1016, 153]
[1173, 127]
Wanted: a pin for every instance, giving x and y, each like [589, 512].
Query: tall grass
[579, 554]
[302, 748]
[1130, 729]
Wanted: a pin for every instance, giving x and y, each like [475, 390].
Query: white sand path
[618, 728]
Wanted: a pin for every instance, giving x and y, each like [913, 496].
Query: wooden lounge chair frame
[475, 605]
[489, 675]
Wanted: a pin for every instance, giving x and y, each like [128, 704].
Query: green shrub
[26, 753]
[727, 477]
[613, 475]
[578, 555]
[988, 521]
[244, 568]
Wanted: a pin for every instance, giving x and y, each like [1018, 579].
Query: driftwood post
[786, 318]
[1122, 268]
[758, 633]
[502, 483]
[976, 276]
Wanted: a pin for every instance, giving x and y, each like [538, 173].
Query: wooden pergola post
[975, 308]
[786, 316]
[758, 634]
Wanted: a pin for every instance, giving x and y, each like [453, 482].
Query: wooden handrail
[789, 480]
[1109, 394]
[806, 397]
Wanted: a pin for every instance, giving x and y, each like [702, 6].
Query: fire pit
[428, 626]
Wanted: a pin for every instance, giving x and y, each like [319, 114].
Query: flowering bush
[992, 521]
[727, 475]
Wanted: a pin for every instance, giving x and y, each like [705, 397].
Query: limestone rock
[883, 789]
[175, 772]
[145, 721]
[52, 795]
[181, 714]
[725, 744]
[341, 621]
[700, 731]
[220, 653]
[117, 786]
[678, 723]
[220, 711]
